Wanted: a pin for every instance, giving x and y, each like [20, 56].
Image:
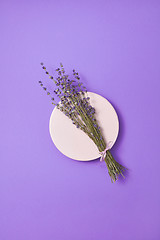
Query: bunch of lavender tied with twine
[74, 103]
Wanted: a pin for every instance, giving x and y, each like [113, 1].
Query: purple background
[115, 46]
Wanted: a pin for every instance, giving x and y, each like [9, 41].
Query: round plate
[73, 142]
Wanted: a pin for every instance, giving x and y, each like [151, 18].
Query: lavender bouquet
[75, 104]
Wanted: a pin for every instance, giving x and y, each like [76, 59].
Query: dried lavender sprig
[84, 118]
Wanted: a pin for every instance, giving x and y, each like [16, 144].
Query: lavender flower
[75, 104]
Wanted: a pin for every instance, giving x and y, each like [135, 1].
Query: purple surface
[115, 46]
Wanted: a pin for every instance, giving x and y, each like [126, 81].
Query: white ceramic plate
[73, 142]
